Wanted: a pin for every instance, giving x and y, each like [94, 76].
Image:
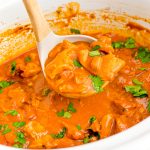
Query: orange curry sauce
[34, 116]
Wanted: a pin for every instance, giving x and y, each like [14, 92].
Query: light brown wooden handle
[39, 23]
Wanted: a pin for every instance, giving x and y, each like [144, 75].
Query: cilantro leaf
[78, 127]
[19, 124]
[27, 59]
[130, 43]
[77, 63]
[5, 129]
[97, 83]
[136, 90]
[11, 112]
[86, 140]
[148, 106]
[92, 119]
[13, 67]
[118, 44]
[20, 138]
[142, 68]
[61, 113]
[5, 84]
[60, 135]
[94, 53]
[76, 31]
[143, 54]
[96, 47]
[71, 108]
[67, 115]
[45, 91]
[137, 82]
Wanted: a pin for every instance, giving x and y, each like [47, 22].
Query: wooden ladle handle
[40, 25]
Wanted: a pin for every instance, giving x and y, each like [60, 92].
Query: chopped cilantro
[45, 91]
[92, 119]
[86, 140]
[143, 54]
[20, 138]
[60, 135]
[78, 127]
[148, 106]
[97, 83]
[27, 59]
[67, 115]
[118, 44]
[77, 63]
[136, 90]
[61, 113]
[71, 108]
[18, 145]
[94, 53]
[137, 82]
[11, 112]
[96, 47]
[142, 68]
[76, 31]
[130, 43]
[5, 129]
[4, 84]
[19, 124]
[13, 67]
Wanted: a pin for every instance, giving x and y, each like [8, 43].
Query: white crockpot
[135, 138]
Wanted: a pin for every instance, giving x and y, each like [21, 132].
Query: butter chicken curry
[36, 114]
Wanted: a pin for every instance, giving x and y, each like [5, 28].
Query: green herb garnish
[118, 44]
[77, 63]
[78, 127]
[11, 112]
[67, 115]
[19, 124]
[96, 47]
[142, 68]
[61, 113]
[45, 91]
[13, 67]
[143, 54]
[148, 106]
[97, 83]
[86, 140]
[71, 108]
[130, 43]
[60, 135]
[5, 129]
[92, 119]
[136, 90]
[137, 82]
[76, 31]
[94, 53]
[5, 84]
[27, 59]
[20, 138]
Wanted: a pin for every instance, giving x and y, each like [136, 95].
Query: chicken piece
[106, 66]
[105, 44]
[66, 78]
[107, 125]
[35, 130]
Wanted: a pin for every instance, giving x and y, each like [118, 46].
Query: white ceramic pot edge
[135, 138]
